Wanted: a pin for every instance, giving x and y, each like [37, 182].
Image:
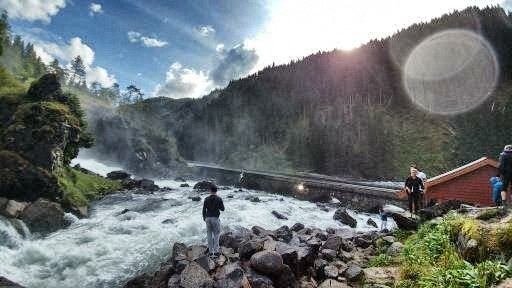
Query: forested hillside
[342, 113]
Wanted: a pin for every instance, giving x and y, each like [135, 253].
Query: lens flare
[451, 72]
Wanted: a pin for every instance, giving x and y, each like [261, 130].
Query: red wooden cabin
[469, 183]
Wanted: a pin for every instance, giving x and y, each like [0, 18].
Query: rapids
[109, 248]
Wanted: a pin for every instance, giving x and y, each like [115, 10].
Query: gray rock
[279, 215]
[174, 281]
[44, 216]
[297, 227]
[354, 273]
[395, 249]
[260, 281]
[331, 283]
[328, 254]
[404, 222]
[118, 175]
[362, 242]
[267, 262]
[194, 276]
[184, 185]
[389, 239]
[342, 215]
[248, 248]
[333, 242]
[206, 263]
[283, 233]
[13, 208]
[204, 185]
[195, 198]
[331, 271]
[195, 252]
[285, 278]
[371, 222]
[6, 283]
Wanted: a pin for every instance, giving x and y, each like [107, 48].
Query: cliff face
[341, 113]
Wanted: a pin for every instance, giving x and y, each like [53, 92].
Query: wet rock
[283, 233]
[195, 198]
[279, 215]
[3, 202]
[289, 254]
[124, 211]
[253, 199]
[184, 185]
[194, 276]
[174, 281]
[118, 175]
[404, 222]
[143, 280]
[354, 273]
[260, 281]
[267, 262]
[330, 271]
[44, 216]
[297, 227]
[233, 239]
[387, 276]
[147, 184]
[371, 222]
[395, 249]
[260, 231]
[230, 196]
[169, 221]
[6, 283]
[13, 208]
[331, 283]
[179, 179]
[249, 248]
[204, 185]
[342, 215]
[330, 231]
[179, 251]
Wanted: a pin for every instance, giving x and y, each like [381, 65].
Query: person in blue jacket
[496, 187]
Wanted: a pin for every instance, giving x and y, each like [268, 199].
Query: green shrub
[492, 213]
[504, 239]
[381, 260]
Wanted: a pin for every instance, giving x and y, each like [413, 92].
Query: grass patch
[80, 188]
[492, 213]
[430, 258]
[402, 235]
[382, 260]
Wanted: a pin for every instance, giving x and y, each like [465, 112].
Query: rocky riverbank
[294, 256]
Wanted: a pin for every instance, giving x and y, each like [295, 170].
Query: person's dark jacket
[212, 206]
[505, 167]
[415, 185]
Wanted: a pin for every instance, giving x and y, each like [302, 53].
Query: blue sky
[178, 48]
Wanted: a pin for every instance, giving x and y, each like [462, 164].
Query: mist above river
[110, 247]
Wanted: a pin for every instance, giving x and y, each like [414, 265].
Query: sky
[178, 48]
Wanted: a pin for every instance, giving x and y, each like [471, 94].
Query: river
[109, 247]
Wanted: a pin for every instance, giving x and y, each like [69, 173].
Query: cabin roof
[470, 167]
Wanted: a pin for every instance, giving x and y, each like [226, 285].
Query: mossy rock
[20, 180]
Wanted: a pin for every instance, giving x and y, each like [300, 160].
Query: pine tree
[55, 68]
[77, 72]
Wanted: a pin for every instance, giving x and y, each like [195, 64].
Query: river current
[110, 247]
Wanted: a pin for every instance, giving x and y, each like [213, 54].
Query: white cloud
[100, 75]
[32, 10]
[183, 82]
[95, 8]
[66, 52]
[205, 31]
[234, 63]
[146, 41]
[219, 48]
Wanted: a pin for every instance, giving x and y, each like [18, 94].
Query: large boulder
[404, 222]
[6, 283]
[395, 249]
[267, 262]
[194, 276]
[44, 216]
[342, 215]
[283, 234]
[118, 175]
[21, 180]
[285, 278]
[13, 209]
[354, 273]
[333, 243]
[381, 276]
[439, 209]
[248, 248]
[204, 185]
[331, 283]
[279, 215]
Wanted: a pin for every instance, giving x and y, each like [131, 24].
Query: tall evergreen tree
[77, 72]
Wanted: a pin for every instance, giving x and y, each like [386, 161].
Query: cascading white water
[109, 248]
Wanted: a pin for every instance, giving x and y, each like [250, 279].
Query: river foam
[110, 247]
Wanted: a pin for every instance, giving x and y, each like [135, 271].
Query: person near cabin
[423, 178]
[496, 188]
[414, 187]
[505, 169]
[212, 206]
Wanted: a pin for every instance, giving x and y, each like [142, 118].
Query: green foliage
[492, 213]
[430, 259]
[401, 235]
[381, 260]
[504, 239]
[80, 188]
